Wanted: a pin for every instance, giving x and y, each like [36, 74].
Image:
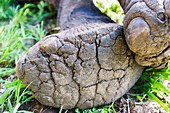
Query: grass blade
[155, 98]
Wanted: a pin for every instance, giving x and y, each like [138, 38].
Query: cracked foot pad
[81, 67]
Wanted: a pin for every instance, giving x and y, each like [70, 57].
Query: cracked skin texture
[147, 31]
[85, 66]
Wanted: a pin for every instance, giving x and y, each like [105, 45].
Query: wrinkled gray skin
[88, 62]
[147, 31]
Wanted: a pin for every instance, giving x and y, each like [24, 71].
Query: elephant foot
[84, 66]
[146, 28]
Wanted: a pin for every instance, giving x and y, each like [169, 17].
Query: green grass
[151, 86]
[22, 26]
[14, 96]
[105, 109]
[17, 32]
[112, 9]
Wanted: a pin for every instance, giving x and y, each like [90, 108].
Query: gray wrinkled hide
[88, 63]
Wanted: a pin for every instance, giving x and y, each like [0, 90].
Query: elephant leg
[146, 28]
[86, 64]
[73, 13]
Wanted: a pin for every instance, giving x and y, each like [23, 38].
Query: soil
[123, 105]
